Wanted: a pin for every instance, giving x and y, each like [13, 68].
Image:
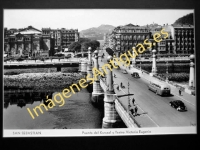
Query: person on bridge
[118, 87]
[136, 109]
[133, 101]
[132, 111]
[115, 76]
[122, 86]
[180, 91]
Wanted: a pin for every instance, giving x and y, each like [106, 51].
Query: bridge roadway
[72, 62]
[158, 111]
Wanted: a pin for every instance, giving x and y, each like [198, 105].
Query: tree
[75, 46]
[85, 45]
[109, 51]
[93, 44]
[82, 40]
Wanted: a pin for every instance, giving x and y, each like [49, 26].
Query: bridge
[153, 110]
[55, 63]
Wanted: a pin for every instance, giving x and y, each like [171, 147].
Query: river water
[77, 113]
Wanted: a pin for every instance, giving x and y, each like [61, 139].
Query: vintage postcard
[99, 72]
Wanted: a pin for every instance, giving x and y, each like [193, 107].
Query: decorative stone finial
[192, 57]
[109, 58]
[154, 51]
[96, 52]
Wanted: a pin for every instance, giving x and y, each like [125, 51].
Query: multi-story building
[183, 36]
[68, 37]
[180, 38]
[128, 36]
[166, 45]
[23, 42]
[32, 42]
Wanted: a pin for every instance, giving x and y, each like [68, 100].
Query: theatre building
[22, 42]
[33, 42]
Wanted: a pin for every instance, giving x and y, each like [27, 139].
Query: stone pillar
[133, 59]
[89, 64]
[154, 69]
[97, 94]
[84, 68]
[79, 66]
[111, 118]
[192, 71]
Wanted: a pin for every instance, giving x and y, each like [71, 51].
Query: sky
[86, 18]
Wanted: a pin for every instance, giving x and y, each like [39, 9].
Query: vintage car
[135, 75]
[124, 71]
[179, 105]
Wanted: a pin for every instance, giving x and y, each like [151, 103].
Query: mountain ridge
[96, 33]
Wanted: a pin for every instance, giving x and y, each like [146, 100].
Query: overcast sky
[86, 18]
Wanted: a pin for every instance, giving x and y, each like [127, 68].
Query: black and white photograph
[99, 72]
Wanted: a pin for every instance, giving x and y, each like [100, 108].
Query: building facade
[33, 42]
[128, 36]
[68, 37]
[23, 42]
[184, 42]
[180, 39]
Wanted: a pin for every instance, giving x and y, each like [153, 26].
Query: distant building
[23, 42]
[183, 36]
[166, 45]
[128, 36]
[180, 38]
[68, 37]
[33, 42]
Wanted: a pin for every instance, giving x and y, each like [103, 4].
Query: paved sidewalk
[174, 90]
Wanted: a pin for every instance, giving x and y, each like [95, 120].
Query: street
[157, 107]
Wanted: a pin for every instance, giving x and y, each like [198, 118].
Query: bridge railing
[164, 59]
[103, 83]
[125, 115]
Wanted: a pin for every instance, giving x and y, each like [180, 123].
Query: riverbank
[39, 81]
[39, 70]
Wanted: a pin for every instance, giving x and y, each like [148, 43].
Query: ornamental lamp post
[140, 61]
[128, 98]
[167, 71]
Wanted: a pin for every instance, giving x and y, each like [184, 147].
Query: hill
[96, 33]
[187, 19]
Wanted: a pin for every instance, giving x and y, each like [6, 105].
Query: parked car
[179, 105]
[124, 72]
[135, 75]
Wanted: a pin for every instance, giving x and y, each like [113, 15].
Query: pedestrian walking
[136, 109]
[132, 111]
[133, 101]
[180, 92]
[121, 85]
[118, 87]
